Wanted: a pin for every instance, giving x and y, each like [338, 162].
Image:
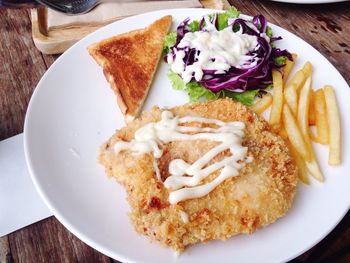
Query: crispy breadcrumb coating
[262, 193]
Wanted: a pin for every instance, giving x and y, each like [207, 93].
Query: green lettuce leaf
[176, 81]
[223, 18]
[269, 32]
[194, 25]
[194, 90]
[169, 41]
[247, 97]
[269, 87]
[197, 92]
[280, 61]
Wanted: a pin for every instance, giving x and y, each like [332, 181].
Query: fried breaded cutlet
[262, 192]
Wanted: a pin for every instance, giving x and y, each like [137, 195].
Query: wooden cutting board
[57, 40]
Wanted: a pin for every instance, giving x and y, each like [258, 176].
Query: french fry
[299, 77]
[288, 67]
[313, 137]
[312, 115]
[307, 69]
[321, 117]
[303, 108]
[294, 134]
[296, 80]
[277, 103]
[294, 85]
[303, 114]
[334, 126]
[291, 98]
[314, 169]
[262, 104]
[283, 133]
[302, 170]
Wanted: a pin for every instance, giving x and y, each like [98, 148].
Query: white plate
[73, 111]
[310, 1]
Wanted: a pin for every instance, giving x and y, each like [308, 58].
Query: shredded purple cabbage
[253, 75]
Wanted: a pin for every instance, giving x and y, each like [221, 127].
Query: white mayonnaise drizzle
[185, 179]
[176, 255]
[156, 169]
[184, 217]
[215, 50]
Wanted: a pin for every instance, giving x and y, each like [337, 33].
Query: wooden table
[326, 27]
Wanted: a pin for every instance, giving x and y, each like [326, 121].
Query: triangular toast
[129, 62]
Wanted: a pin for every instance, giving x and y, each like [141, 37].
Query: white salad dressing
[216, 50]
[185, 179]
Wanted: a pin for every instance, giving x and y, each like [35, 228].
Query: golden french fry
[312, 136]
[291, 98]
[321, 117]
[312, 115]
[283, 133]
[303, 114]
[302, 170]
[334, 126]
[294, 85]
[300, 76]
[303, 108]
[314, 169]
[277, 103]
[296, 80]
[307, 69]
[294, 134]
[288, 67]
[262, 104]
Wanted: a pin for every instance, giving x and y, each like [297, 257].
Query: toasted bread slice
[129, 62]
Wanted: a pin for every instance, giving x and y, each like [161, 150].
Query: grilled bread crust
[129, 62]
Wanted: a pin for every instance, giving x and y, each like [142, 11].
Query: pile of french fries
[295, 106]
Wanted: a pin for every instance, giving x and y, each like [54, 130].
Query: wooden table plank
[22, 67]
[5, 253]
[49, 241]
[326, 27]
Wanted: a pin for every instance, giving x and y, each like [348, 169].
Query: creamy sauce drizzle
[185, 179]
[176, 255]
[156, 169]
[184, 217]
[215, 50]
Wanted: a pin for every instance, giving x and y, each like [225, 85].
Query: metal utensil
[72, 7]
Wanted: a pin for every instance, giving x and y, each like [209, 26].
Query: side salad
[223, 55]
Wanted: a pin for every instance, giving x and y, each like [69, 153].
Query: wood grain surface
[326, 27]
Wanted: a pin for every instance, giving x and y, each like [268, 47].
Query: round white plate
[73, 111]
[310, 1]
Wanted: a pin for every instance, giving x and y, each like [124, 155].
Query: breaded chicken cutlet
[262, 192]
